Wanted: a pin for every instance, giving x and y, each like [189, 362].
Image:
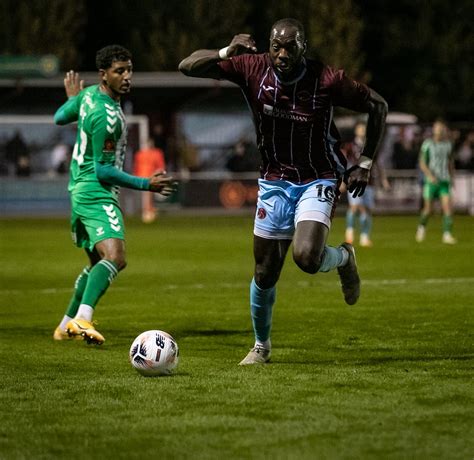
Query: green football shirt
[101, 137]
[437, 156]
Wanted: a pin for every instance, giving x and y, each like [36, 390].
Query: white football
[154, 353]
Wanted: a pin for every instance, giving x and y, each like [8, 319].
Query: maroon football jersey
[296, 135]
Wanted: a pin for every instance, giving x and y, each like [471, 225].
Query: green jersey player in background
[437, 165]
[95, 177]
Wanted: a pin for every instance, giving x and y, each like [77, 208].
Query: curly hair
[109, 54]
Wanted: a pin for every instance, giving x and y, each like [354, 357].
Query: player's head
[440, 130]
[287, 47]
[114, 63]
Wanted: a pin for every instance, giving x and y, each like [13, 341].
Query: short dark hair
[109, 54]
[292, 23]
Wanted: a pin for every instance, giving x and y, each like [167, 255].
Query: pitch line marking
[200, 286]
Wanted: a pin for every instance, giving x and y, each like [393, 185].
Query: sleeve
[425, 151]
[68, 112]
[347, 92]
[109, 174]
[236, 69]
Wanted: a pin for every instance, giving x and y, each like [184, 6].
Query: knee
[307, 258]
[265, 277]
[119, 261]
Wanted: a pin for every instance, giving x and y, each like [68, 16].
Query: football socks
[365, 220]
[79, 288]
[332, 258]
[447, 224]
[100, 277]
[261, 307]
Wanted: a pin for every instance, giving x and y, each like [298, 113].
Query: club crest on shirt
[261, 213]
[304, 96]
[109, 145]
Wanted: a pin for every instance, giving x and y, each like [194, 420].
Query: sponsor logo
[268, 88]
[261, 213]
[284, 114]
[100, 231]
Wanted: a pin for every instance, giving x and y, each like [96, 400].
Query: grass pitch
[391, 378]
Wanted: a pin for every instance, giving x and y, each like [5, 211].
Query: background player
[437, 165]
[95, 176]
[361, 207]
[292, 99]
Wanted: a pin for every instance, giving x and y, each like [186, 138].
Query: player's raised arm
[69, 111]
[203, 63]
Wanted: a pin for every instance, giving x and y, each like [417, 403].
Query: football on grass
[154, 353]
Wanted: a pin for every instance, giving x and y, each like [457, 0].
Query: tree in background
[421, 54]
[29, 27]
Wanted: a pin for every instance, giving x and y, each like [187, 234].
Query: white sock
[267, 344]
[85, 312]
[65, 320]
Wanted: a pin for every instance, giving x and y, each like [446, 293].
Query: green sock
[76, 298]
[447, 224]
[100, 277]
[423, 219]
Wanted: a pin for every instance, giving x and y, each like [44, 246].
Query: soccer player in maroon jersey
[291, 98]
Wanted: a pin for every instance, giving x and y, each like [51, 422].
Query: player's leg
[106, 243]
[429, 191]
[365, 216]
[81, 239]
[446, 208]
[269, 257]
[76, 298]
[273, 230]
[313, 217]
[112, 259]
[350, 222]
[148, 207]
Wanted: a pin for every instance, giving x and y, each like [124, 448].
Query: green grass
[391, 378]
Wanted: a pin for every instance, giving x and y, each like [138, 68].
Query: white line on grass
[200, 286]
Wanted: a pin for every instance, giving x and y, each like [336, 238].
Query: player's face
[440, 131]
[286, 52]
[118, 77]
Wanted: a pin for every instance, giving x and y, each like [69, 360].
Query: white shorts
[282, 204]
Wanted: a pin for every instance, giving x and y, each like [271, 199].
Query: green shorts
[432, 191]
[94, 219]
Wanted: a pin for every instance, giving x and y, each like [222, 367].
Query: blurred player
[437, 165]
[292, 100]
[148, 160]
[361, 206]
[95, 177]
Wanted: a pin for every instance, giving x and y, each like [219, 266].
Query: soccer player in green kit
[95, 177]
[437, 165]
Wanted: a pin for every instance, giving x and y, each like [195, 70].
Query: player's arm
[203, 63]
[376, 107]
[106, 171]
[423, 163]
[69, 111]
[109, 174]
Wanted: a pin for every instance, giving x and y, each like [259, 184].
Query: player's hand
[163, 184]
[72, 84]
[357, 179]
[241, 44]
